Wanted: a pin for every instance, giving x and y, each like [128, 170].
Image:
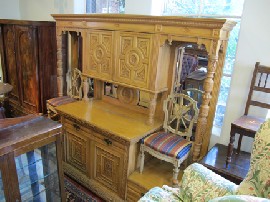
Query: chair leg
[239, 144]
[230, 147]
[142, 158]
[175, 174]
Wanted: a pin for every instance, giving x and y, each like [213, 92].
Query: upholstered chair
[201, 184]
[173, 143]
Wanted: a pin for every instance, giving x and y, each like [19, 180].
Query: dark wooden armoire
[28, 59]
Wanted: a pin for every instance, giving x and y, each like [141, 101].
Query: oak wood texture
[101, 144]
[137, 51]
[238, 168]
[125, 124]
[28, 58]
[248, 125]
[21, 135]
[140, 183]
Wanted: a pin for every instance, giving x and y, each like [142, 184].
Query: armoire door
[26, 49]
[10, 62]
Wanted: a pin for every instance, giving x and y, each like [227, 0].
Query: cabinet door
[26, 53]
[108, 166]
[77, 149]
[99, 54]
[133, 59]
[10, 62]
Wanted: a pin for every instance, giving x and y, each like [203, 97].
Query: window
[105, 6]
[229, 9]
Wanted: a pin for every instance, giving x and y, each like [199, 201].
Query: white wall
[42, 10]
[253, 46]
[9, 9]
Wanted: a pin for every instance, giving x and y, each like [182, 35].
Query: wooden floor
[155, 173]
[216, 161]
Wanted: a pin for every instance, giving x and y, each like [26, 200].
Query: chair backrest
[195, 94]
[74, 83]
[181, 113]
[261, 83]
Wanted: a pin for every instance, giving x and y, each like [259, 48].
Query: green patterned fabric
[257, 181]
[163, 194]
[201, 184]
[239, 198]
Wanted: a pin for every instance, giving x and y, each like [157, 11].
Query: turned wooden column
[204, 109]
[152, 107]
[61, 61]
[85, 88]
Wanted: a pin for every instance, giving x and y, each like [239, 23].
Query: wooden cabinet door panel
[133, 59]
[28, 67]
[99, 54]
[77, 150]
[108, 167]
[10, 62]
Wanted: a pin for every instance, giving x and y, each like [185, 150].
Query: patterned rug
[77, 193]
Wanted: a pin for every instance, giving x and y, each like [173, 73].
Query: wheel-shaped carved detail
[100, 53]
[128, 95]
[133, 59]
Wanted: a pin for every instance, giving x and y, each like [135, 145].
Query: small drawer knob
[108, 141]
[76, 126]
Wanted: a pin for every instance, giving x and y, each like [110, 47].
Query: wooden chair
[173, 144]
[248, 125]
[74, 92]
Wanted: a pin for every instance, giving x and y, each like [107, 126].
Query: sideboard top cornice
[178, 21]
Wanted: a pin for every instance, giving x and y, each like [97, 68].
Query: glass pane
[108, 6]
[38, 175]
[222, 99]
[222, 7]
[2, 195]
[181, 7]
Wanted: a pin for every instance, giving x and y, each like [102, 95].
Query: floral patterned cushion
[257, 181]
[164, 194]
[201, 184]
[239, 198]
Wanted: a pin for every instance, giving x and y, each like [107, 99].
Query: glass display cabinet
[30, 160]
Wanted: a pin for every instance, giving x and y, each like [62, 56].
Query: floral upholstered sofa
[201, 184]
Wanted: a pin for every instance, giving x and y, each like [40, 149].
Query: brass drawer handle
[108, 141]
[76, 126]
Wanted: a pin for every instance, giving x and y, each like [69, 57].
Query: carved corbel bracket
[170, 39]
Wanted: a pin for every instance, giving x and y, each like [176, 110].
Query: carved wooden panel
[28, 62]
[12, 77]
[133, 60]
[108, 168]
[99, 54]
[27, 67]
[77, 150]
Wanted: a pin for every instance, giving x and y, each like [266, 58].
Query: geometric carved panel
[99, 54]
[108, 167]
[77, 151]
[134, 59]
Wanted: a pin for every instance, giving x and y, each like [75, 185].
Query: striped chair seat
[168, 143]
[60, 101]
